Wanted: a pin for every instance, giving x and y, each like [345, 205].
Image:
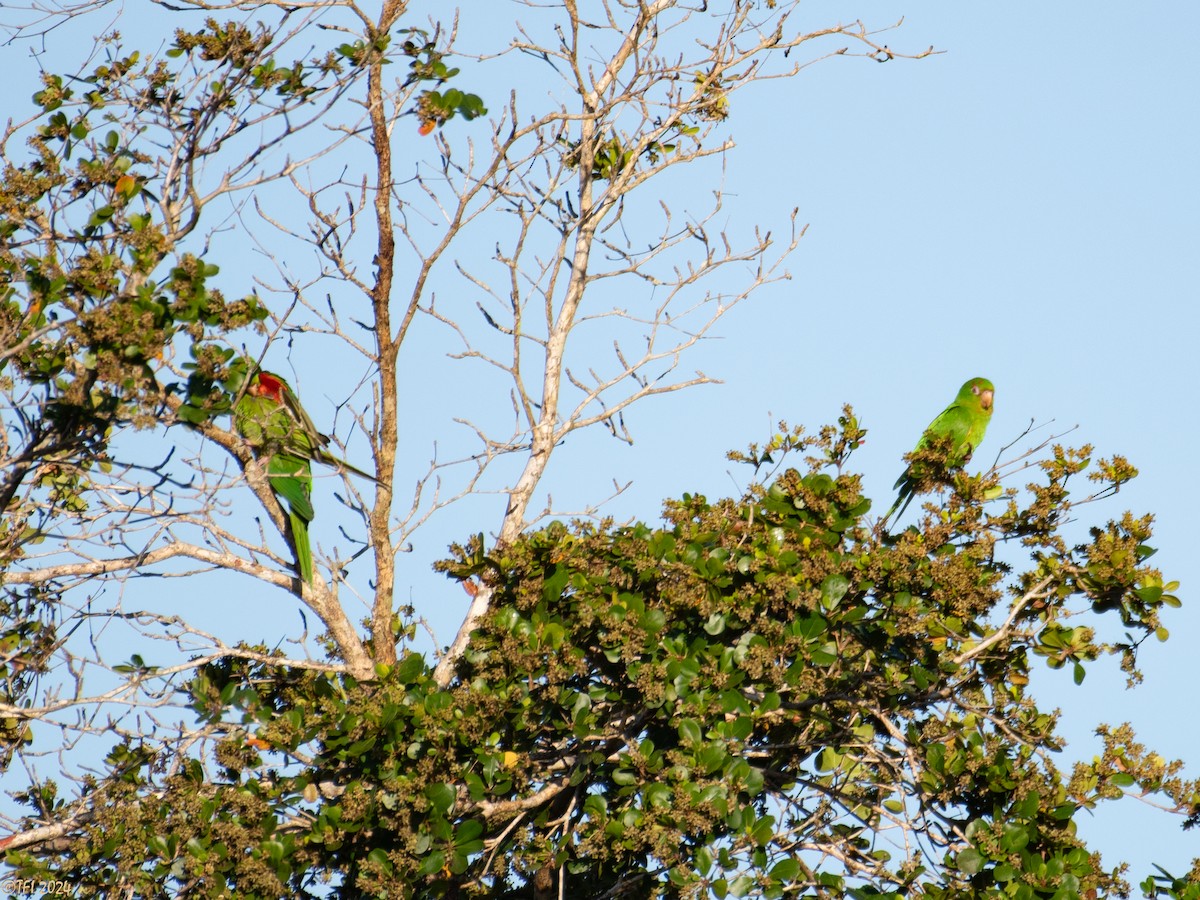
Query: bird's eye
[975, 390]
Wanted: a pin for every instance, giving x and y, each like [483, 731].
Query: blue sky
[1022, 206]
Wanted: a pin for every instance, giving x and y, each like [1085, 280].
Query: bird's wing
[953, 422]
[251, 418]
[306, 431]
[291, 479]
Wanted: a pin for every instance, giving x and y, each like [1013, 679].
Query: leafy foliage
[765, 696]
[89, 307]
[103, 284]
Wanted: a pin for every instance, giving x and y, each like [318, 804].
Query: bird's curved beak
[985, 399]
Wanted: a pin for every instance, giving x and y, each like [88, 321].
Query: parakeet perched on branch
[963, 423]
[278, 429]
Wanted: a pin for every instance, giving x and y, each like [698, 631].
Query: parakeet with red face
[278, 429]
[964, 422]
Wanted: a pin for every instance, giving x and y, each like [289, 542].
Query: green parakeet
[964, 422]
[278, 429]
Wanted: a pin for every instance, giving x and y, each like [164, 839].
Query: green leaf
[970, 861]
[624, 777]
[825, 655]
[741, 886]
[379, 857]
[786, 870]
[689, 731]
[410, 668]
[432, 863]
[556, 580]
[829, 760]
[441, 796]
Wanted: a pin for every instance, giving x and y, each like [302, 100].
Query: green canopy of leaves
[765, 696]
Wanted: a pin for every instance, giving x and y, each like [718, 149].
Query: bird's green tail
[324, 456]
[902, 500]
[304, 563]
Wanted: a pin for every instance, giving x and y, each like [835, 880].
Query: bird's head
[269, 385]
[978, 391]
